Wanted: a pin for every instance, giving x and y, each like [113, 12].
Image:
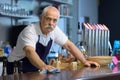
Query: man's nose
[51, 22]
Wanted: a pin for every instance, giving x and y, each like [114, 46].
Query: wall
[4, 22]
[109, 14]
[7, 22]
[82, 8]
[89, 8]
[3, 33]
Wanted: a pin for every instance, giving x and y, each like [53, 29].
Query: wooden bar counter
[84, 73]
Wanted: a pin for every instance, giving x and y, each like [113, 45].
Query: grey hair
[48, 7]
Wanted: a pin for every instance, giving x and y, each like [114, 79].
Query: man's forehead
[51, 16]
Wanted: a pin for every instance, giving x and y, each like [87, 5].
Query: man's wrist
[84, 61]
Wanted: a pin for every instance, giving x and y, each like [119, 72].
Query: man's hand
[91, 64]
[47, 67]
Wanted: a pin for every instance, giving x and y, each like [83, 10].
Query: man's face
[49, 21]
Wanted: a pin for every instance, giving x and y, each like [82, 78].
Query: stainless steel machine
[96, 39]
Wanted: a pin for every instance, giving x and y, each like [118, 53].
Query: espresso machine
[96, 39]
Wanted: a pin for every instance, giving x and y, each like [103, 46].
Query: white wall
[81, 8]
[89, 8]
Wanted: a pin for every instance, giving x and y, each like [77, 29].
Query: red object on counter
[118, 56]
[115, 60]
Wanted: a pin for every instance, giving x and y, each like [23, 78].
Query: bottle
[1, 48]
[83, 50]
[79, 32]
[4, 74]
[16, 75]
[4, 67]
[7, 48]
[64, 53]
[20, 68]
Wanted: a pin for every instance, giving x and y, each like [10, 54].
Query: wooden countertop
[84, 73]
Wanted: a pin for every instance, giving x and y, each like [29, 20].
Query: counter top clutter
[85, 73]
[5, 49]
[72, 63]
[70, 70]
[102, 60]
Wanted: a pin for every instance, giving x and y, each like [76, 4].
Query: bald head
[50, 9]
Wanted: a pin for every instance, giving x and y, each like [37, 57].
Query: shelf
[15, 16]
[62, 5]
[65, 16]
[57, 1]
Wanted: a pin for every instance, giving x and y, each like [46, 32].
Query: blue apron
[41, 50]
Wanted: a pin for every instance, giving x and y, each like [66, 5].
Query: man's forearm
[34, 58]
[75, 51]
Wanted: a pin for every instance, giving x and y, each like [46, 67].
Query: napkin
[55, 70]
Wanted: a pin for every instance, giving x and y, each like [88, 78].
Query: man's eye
[48, 18]
[55, 20]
